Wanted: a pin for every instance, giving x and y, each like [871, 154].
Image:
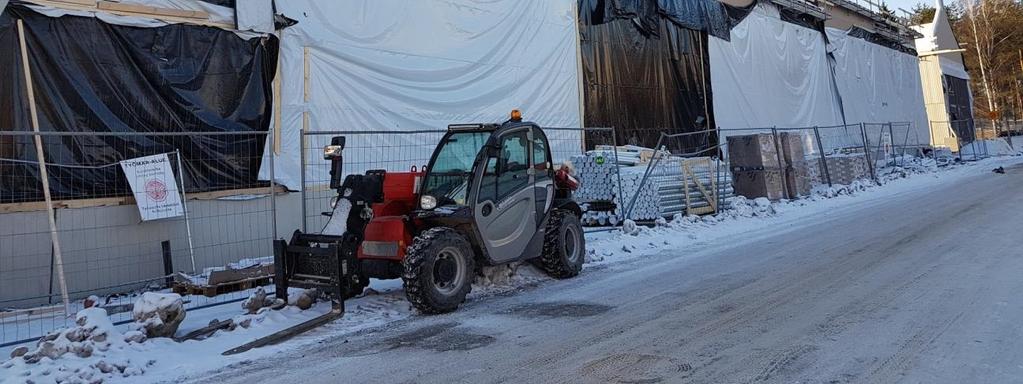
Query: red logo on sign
[156, 190]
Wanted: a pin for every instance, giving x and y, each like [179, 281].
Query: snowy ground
[383, 305]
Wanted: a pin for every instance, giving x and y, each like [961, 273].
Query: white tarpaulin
[154, 186]
[879, 85]
[255, 15]
[771, 73]
[398, 65]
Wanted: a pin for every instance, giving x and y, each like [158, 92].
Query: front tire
[564, 249]
[438, 271]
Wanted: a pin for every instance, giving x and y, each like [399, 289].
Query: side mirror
[333, 151]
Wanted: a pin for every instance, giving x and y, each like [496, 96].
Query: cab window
[541, 158]
[508, 172]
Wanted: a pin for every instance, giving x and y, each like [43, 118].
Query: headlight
[428, 202]
[333, 202]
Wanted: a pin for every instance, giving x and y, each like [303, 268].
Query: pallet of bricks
[666, 192]
[765, 167]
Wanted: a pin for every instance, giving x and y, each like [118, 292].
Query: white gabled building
[945, 82]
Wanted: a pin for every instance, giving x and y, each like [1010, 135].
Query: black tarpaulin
[90, 76]
[644, 80]
[710, 16]
[880, 39]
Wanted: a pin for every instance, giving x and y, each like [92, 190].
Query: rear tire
[564, 249]
[438, 271]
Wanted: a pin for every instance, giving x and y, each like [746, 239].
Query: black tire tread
[550, 260]
[414, 267]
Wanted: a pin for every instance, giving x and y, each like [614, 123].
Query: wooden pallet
[211, 290]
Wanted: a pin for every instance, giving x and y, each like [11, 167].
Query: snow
[338, 222]
[384, 302]
[992, 147]
[153, 301]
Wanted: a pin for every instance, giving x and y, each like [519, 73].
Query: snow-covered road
[917, 286]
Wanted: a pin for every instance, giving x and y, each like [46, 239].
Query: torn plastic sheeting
[709, 16]
[646, 84]
[410, 65]
[772, 73]
[175, 78]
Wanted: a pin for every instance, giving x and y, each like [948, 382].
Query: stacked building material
[797, 172]
[756, 166]
[663, 194]
[846, 167]
[761, 171]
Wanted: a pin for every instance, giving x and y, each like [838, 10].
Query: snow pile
[159, 314]
[505, 278]
[90, 352]
[743, 207]
[992, 147]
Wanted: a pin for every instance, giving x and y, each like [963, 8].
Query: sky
[906, 4]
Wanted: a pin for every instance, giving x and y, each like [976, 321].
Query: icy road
[923, 286]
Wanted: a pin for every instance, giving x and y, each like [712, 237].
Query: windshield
[448, 177]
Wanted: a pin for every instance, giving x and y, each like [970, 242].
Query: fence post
[618, 167]
[184, 208]
[824, 159]
[301, 178]
[866, 152]
[781, 163]
[168, 263]
[649, 167]
[43, 174]
[273, 193]
[891, 139]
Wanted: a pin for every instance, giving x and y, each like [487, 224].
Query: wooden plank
[32, 311]
[238, 275]
[150, 10]
[92, 6]
[128, 200]
[78, 2]
[43, 175]
[277, 100]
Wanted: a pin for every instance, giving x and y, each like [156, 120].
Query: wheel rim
[449, 271]
[572, 250]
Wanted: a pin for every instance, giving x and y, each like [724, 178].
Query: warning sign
[154, 186]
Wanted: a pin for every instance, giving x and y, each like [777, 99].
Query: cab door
[505, 209]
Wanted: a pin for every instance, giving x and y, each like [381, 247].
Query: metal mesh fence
[395, 151]
[102, 246]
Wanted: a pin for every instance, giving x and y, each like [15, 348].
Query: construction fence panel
[681, 175]
[394, 151]
[400, 151]
[97, 244]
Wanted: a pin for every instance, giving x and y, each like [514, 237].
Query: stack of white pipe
[663, 195]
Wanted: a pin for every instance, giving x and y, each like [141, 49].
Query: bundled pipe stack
[663, 194]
